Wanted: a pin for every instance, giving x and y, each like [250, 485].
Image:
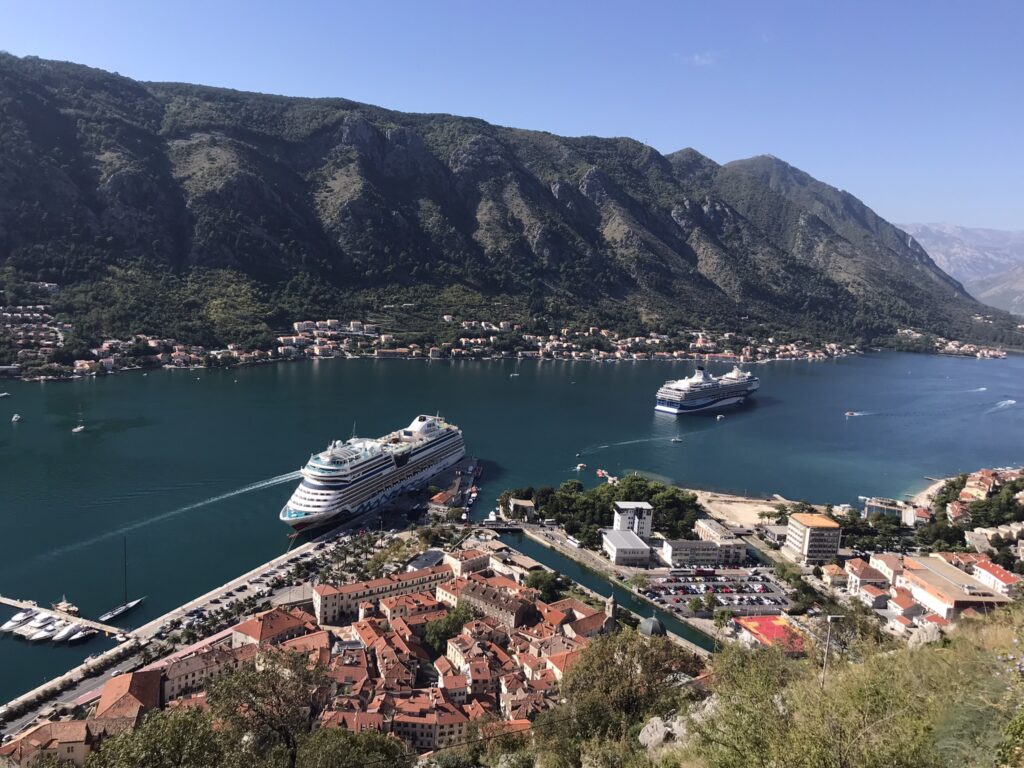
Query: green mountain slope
[130, 195]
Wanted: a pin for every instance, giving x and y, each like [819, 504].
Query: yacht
[17, 620]
[40, 621]
[47, 632]
[702, 391]
[67, 632]
[355, 476]
[81, 634]
[79, 428]
[4, 394]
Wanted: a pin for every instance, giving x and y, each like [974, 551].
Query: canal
[592, 580]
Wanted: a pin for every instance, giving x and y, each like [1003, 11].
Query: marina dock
[23, 605]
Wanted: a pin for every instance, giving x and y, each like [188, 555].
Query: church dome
[650, 627]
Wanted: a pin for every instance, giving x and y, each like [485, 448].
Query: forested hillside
[216, 215]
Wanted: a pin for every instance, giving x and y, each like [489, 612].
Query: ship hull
[697, 406]
[342, 513]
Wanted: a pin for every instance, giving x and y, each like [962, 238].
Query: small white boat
[676, 440]
[581, 466]
[79, 428]
[719, 417]
[66, 633]
[17, 620]
[5, 394]
[16, 418]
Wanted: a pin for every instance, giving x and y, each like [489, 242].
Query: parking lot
[741, 590]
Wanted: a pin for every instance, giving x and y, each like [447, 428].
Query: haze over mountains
[989, 262]
[214, 214]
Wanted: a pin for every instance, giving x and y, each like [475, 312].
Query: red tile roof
[772, 630]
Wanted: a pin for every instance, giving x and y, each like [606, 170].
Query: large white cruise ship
[703, 391]
[353, 477]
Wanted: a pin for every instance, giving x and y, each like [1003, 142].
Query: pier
[24, 605]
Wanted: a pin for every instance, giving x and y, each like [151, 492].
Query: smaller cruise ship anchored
[702, 391]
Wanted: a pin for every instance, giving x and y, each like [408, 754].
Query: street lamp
[828, 644]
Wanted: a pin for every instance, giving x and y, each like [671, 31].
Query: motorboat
[719, 417]
[40, 621]
[17, 620]
[79, 428]
[16, 418]
[5, 394]
[83, 634]
[47, 632]
[67, 632]
[850, 413]
[676, 440]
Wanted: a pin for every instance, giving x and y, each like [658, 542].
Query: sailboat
[127, 605]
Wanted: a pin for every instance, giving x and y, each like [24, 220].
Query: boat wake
[1001, 406]
[257, 486]
[595, 448]
[978, 389]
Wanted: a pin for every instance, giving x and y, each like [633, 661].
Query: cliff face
[319, 202]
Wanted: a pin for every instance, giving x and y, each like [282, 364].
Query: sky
[916, 107]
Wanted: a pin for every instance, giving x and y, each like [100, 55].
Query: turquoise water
[183, 463]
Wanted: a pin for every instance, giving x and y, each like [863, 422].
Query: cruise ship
[702, 391]
[353, 477]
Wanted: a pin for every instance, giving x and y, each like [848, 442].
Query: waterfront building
[811, 539]
[625, 548]
[191, 673]
[677, 553]
[635, 516]
[878, 505]
[331, 603]
[268, 628]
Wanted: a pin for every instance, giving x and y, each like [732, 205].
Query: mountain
[216, 215]
[990, 262]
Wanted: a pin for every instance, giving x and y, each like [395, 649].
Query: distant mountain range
[989, 262]
[215, 215]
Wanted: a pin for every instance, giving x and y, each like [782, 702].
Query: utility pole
[828, 644]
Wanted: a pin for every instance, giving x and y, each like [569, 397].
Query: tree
[265, 707]
[709, 601]
[175, 738]
[639, 581]
[547, 583]
[648, 677]
[337, 748]
[440, 631]
[722, 618]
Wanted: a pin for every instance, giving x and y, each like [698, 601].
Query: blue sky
[915, 107]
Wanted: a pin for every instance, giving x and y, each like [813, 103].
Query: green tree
[440, 631]
[337, 748]
[547, 583]
[267, 706]
[647, 679]
[176, 738]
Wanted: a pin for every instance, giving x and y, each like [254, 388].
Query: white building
[811, 539]
[635, 516]
[625, 548]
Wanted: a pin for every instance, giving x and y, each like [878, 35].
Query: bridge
[498, 526]
[24, 605]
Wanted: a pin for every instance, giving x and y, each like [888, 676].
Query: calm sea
[187, 465]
